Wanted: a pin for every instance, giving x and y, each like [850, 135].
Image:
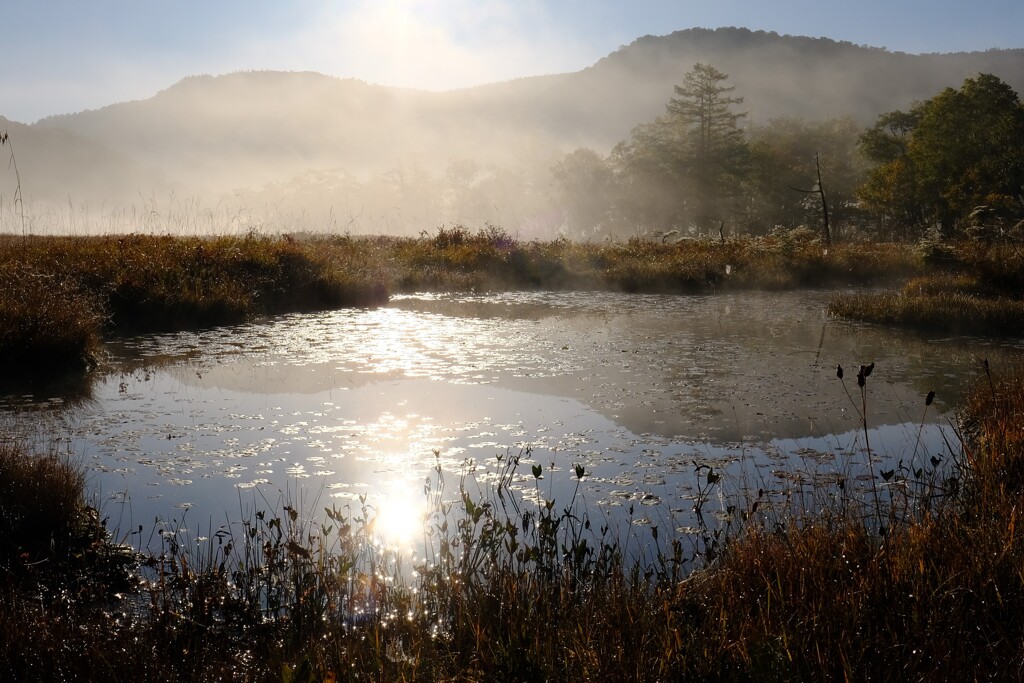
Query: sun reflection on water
[400, 511]
[639, 389]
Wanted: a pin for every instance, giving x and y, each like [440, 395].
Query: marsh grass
[965, 288]
[950, 311]
[50, 538]
[917, 576]
[512, 585]
[491, 259]
[46, 322]
[59, 296]
[35, 533]
[936, 598]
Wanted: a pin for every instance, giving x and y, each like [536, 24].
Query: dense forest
[951, 165]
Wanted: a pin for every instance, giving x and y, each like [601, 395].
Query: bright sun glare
[400, 511]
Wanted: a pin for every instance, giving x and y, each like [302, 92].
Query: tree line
[952, 165]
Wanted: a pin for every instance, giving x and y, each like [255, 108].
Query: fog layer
[302, 151]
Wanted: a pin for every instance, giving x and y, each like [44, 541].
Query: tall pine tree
[712, 150]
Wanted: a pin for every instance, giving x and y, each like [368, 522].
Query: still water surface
[201, 428]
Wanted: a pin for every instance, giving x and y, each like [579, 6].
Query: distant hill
[812, 78]
[57, 164]
[243, 132]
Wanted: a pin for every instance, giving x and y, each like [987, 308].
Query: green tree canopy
[960, 150]
[584, 182]
[714, 150]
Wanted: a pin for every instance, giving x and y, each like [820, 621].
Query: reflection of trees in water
[763, 365]
[24, 394]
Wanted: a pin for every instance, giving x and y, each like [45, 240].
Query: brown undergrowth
[966, 288]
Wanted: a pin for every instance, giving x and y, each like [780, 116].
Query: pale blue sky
[59, 56]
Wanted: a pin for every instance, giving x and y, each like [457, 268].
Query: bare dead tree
[819, 188]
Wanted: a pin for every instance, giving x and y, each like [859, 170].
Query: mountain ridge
[223, 134]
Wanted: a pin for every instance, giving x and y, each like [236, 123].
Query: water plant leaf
[296, 549]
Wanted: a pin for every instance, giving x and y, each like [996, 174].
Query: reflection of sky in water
[641, 390]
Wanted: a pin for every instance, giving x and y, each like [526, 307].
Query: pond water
[645, 392]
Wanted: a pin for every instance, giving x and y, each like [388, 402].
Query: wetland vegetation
[787, 586]
[922, 582]
[60, 296]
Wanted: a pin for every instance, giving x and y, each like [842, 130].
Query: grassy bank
[59, 296]
[521, 591]
[49, 536]
[458, 259]
[967, 288]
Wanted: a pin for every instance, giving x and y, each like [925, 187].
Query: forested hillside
[316, 152]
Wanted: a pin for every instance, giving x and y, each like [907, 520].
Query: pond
[648, 393]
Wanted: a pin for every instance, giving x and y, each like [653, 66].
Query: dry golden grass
[791, 595]
[968, 288]
[938, 597]
[58, 296]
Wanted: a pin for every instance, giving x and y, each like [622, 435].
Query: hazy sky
[59, 56]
